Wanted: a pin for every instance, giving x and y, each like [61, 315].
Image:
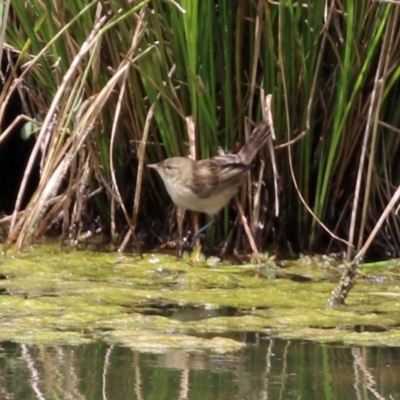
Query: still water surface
[265, 369]
[101, 326]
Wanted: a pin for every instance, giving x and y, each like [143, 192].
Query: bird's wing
[217, 173]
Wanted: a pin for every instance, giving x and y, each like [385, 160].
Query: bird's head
[172, 169]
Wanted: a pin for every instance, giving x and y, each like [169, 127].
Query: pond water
[88, 325]
[264, 369]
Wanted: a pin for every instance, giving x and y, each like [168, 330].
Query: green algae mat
[159, 302]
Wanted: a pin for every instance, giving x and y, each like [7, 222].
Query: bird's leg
[180, 214]
[201, 230]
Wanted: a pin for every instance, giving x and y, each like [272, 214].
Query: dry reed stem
[266, 104]
[11, 128]
[255, 215]
[376, 98]
[191, 130]
[49, 183]
[380, 79]
[294, 180]
[340, 293]
[141, 160]
[50, 115]
[256, 55]
[139, 31]
[246, 226]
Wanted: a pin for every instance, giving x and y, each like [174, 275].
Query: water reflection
[265, 369]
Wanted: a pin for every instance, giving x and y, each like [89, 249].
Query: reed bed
[112, 86]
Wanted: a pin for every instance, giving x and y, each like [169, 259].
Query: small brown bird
[206, 186]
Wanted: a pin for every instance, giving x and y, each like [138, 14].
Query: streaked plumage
[207, 185]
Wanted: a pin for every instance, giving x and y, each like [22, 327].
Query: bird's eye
[169, 166]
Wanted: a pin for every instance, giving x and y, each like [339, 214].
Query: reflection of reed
[284, 373]
[184, 384]
[52, 371]
[369, 382]
[138, 375]
[35, 376]
[266, 369]
[105, 369]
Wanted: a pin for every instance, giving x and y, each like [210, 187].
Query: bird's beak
[153, 166]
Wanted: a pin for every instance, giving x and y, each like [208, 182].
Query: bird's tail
[255, 142]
